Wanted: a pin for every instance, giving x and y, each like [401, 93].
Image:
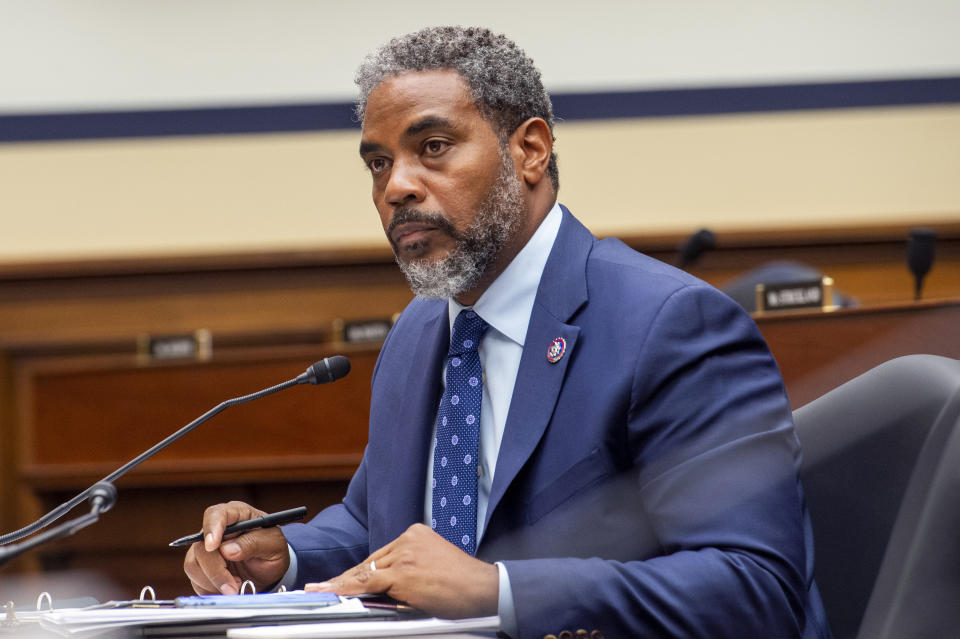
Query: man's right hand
[218, 566]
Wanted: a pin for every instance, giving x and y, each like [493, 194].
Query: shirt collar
[507, 303]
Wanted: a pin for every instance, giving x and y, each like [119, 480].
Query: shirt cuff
[508, 614]
[289, 578]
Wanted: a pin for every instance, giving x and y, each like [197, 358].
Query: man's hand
[219, 568]
[426, 571]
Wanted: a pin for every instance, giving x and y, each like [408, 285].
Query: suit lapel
[562, 292]
[403, 485]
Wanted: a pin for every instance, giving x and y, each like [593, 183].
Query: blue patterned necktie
[458, 435]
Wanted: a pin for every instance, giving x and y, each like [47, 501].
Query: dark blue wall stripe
[567, 106]
[784, 97]
[211, 121]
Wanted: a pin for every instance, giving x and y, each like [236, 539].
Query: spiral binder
[148, 615]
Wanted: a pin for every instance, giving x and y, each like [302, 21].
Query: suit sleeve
[338, 538]
[335, 540]
[711, 437]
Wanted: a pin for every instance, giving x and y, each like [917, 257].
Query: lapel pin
[557, 348]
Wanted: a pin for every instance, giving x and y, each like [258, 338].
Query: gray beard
[475, 249]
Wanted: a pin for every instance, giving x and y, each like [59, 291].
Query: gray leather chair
[881, 475]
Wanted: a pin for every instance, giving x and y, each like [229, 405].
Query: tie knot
[468, 330]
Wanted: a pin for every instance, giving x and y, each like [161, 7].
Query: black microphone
[695, 246]
[920, 256]
[329, 369]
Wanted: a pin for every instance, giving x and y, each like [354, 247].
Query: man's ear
[530, 145]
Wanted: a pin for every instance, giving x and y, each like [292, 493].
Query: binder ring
[44, 596]
[282, 588]
[147, 590]
[243, 587]
[11, 620]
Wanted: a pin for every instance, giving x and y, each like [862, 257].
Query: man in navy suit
[634, 454]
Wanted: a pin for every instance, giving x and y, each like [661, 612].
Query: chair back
[877, 470]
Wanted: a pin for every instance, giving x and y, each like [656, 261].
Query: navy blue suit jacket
[646, 483]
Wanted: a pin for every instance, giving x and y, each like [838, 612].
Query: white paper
[79, 621]
[371, 628]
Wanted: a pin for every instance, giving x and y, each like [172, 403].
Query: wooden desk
[818, 351]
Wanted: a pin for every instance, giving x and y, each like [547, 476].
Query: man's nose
[405, 184]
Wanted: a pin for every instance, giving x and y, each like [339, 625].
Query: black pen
[275, 519]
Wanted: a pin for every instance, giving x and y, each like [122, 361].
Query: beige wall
[285, 191]
[79, 55]
[807, 169]
[307, 190]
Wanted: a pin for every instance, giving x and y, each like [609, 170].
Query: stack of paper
[435, 628]
[83, 622]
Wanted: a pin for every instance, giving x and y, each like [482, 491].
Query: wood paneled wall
[75, 401]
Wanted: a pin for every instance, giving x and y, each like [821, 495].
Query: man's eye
[377, 165]
[435, 146]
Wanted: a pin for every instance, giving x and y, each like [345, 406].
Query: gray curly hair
[506, 86]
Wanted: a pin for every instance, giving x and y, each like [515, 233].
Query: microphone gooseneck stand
[103, 496]
[103, 493]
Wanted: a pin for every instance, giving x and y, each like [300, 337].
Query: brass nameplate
[788, 296]
[195, 346]
[363, 331]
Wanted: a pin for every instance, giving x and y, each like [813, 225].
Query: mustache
[404, 215]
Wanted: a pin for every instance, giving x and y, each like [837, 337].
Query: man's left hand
[426, 571]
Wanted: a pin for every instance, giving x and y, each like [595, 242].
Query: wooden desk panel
[817, 351]
[84, 416]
